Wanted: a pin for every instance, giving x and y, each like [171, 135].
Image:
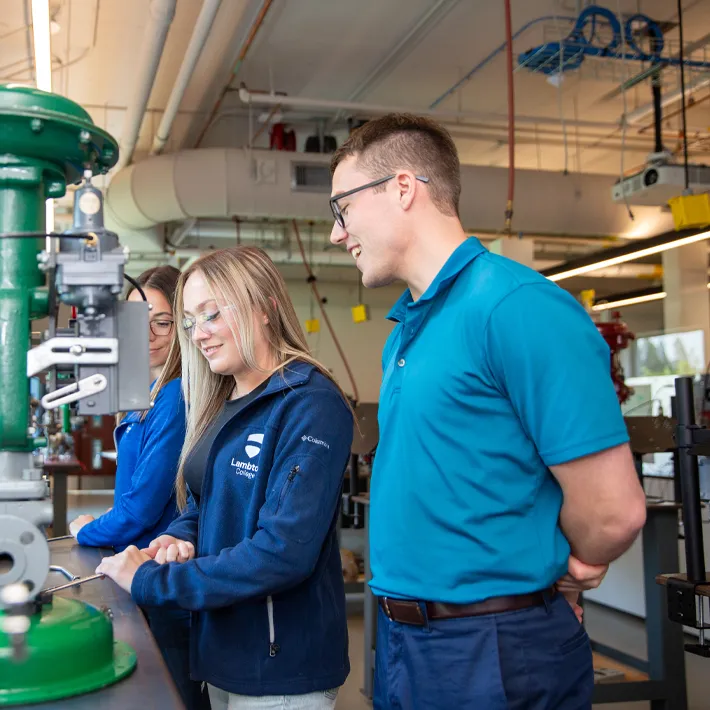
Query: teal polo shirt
[491, 377]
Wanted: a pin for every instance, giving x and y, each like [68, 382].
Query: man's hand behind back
[579, 578]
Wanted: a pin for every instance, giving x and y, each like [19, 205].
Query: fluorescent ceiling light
[43, 55]
[631, 255]
[630, 301]
[43, 75]
[49, 215]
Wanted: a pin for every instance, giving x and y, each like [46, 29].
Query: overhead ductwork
[220, 183]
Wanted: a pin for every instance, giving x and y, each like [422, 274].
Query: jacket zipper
[289, 480]
[274, 648]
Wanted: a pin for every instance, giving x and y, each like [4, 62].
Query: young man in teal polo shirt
[503, 474]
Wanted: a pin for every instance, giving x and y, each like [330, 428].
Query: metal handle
[56, 568]
[75, 583]
[61, 537]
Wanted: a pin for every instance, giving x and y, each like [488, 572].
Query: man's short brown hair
[401, 141]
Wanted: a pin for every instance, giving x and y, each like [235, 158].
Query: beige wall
[361, 342]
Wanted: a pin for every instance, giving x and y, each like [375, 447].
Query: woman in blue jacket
[255, 554]
[148, 448]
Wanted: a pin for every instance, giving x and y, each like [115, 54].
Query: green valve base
[70, 651]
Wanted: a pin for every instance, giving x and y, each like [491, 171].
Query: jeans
[321, 700]
[533, 659]
[171, 630]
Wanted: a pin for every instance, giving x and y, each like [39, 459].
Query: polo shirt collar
[464, 254]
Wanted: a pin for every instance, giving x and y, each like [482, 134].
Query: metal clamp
[78, 390]
[72, 351]
[682, 602]
[683, 609]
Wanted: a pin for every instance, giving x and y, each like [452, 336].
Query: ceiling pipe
[192, 55]
[637, 115]
[558, 244]
[601, 131]
[338, 257]
[160, 16]
[259, 99]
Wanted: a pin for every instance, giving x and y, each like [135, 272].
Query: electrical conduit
[256, 25]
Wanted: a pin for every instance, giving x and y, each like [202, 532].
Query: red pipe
[242, 55]
[511, 117]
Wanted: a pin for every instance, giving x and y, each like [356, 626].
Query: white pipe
[335, 257]
[194, 50]
[642, 112]
[338, 257]
[160, 15]
[249, 97]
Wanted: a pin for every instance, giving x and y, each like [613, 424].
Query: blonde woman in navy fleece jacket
[255, 554]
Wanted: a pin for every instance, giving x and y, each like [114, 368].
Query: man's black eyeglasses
[335, 207]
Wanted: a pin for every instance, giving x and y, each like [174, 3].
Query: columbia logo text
[318, 442]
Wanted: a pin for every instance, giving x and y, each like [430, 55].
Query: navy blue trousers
[534, 659]
[171, 630]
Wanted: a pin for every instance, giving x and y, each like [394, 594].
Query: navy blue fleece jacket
[266, 585]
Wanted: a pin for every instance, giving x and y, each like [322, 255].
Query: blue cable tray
[585, 41]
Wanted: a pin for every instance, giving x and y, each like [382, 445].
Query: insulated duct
[220, 183]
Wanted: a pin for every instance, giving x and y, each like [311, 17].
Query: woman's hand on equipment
[79, 523]
[167, 548]
[121, 568]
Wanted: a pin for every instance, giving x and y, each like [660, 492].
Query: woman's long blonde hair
[247, 280]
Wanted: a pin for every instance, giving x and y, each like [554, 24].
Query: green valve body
[68, 650]
[46, 142]
[22, 193]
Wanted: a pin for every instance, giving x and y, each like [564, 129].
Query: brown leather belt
[410, 612]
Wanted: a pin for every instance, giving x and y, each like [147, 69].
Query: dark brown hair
[402, 141]
[161, 278]
[165, 280]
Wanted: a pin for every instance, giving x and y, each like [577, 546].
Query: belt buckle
[386, 606]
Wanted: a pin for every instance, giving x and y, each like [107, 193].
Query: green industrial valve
[46, 142]
[50, 647]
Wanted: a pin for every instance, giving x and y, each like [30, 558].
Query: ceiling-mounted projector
[658, 182]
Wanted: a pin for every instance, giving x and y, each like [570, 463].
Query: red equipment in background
[617, 336]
